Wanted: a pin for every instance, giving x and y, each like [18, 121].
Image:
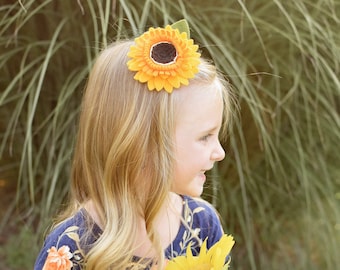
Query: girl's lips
[202, 176]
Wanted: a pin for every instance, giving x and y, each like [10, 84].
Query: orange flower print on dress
[58, 259]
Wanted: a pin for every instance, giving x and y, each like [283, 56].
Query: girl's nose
[218, 153]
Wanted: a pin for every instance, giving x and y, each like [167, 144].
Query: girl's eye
[205, 138]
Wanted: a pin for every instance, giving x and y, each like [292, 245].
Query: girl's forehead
[197, 96]
[199, 105]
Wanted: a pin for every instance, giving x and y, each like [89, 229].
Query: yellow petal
[174, 82]
[151, 85]
[218, 258]
[225, 243]
[183, 81]
[142, 77]
[188, 73]
[168, 87]
[158, 83]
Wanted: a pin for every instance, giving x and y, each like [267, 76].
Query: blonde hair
[125, 132]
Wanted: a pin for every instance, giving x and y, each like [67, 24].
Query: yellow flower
[213, 259]
[164, 58]
[58, 259]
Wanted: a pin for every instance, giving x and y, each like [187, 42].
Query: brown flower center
[163, 53]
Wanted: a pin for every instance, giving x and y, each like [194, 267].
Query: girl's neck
[166, 225]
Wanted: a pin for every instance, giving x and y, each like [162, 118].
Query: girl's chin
[196, 191]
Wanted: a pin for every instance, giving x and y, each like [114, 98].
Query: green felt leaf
[182, 26]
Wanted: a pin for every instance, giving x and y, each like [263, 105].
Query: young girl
[149, 131]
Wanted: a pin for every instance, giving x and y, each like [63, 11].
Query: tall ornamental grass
[278, 189]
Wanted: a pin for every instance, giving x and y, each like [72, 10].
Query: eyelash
[206, 137]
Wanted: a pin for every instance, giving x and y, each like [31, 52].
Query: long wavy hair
[123, 159]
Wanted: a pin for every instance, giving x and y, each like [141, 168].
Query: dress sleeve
[204, 220]
[210, 224]
[61, 247]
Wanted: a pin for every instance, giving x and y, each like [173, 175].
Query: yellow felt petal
[188, 74]
[183, 80]
[174, 81]
[159, 82]
[168, 87]
[142, 77]
[151, 85]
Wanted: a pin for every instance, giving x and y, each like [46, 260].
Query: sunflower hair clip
[164, 58]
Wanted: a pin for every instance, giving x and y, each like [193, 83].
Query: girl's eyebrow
[210, 130]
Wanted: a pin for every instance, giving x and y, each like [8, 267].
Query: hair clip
[164, 58]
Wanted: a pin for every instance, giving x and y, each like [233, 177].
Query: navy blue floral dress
[200, 221]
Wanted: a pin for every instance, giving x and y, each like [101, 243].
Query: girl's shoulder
[64, 242]
[200, 221]
[199, 208]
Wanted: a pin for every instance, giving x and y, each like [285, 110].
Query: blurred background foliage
[278, 190]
